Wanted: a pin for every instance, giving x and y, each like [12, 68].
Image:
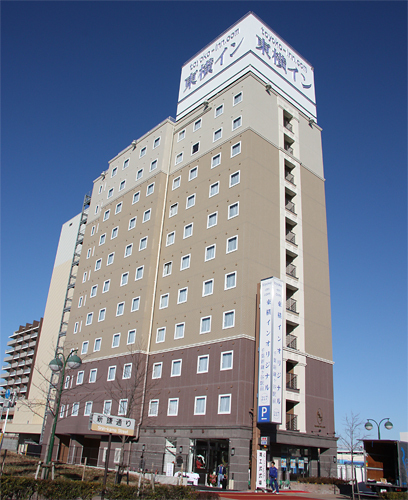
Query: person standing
[273, 478]
[220, 475]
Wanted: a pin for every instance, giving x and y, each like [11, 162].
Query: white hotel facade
[180, 231]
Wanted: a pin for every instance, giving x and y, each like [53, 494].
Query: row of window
[212, 219]
[234, 178]
[215, 160]
[107, 408]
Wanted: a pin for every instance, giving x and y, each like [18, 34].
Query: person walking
[220, 475]
[273, 478]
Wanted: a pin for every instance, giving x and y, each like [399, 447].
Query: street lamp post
[388, 425]
[59, 363]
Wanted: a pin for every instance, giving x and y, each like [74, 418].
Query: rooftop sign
[248, 45]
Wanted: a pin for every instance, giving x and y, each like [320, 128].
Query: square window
[216, 160]
[188, 230]
[167, 268]
[106, 215]
[224, 403]
[199, 405]
[142, 152]
[181, 135]
[124, 279]
[114, 234]
[192, 174]
[173, 210]
[161, 335]
[114, 171]
[122, 185]
[164, 301]
[236, 123]
[116, 340]
[139, 174]
[132, 223]
[226, 360]
[110, 259]
[102, 314]
[232, 244]
[190, 202]
[197, 125]
[111, 373]
[107, 407]
[150, 189]
[92, 375]
[146, 215]
[234, 178]
[202, 363]
[110, 193]
[176, 368]
[228, 319]
[219, 110]
[235, 149]
[88, 408]
[139, 273]
[128, 250]
[106, 285]
[233, 210]
[172, 408]
[179, 331]
[179, 158]
[125, 164]
[214, 189]
[97, 345]
[185, 262]
[205, 326]
[208, 287]
[127, 370]
[123, 404]
[120, 308]
[156, 143]
[89, 318]
[75, 409]
[131, 338]
[212, 220]
[80, 378]
[170, 238]
[135, 304]
[98, 264]
[136, 197]
[230, 280]
[153, 407]
[182, 295]
[143, 243]
[157, 370]
[118, 208]
[176, 183]
[237, 99]
[210, 253]
[84, 348]
[217, 134]
[102, 239]
[195, 148]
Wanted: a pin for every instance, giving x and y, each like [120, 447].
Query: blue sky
[81, 80]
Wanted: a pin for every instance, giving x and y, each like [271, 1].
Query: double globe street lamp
[388, 425]
[58, 365]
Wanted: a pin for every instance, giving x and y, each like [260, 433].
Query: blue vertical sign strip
[270, 352]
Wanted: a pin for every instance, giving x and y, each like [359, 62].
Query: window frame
[206, 259]
[197, 125]
[179, 158]
[237, 98]
[168, 407]
[147, 213]
[226, 279]
[182, 323]
[162, 297]
[169, 266]
[114, 232]
[234, 146]
[196, 145]
[240, 122]
[111, 373]
[128, 250]
[196, 399]
[143, 240]
[190, 197]
[102, 239]
[156, 142]
[118, 208]
[188, 257]
[180, 290]
[89, 319]
[173, 364]
[212, 287]
[153, 405]
[228, 240]
[151, 185]
[120, 308]
[98, 264]
[224, 316]
[93, 292]
[173, 186]
[191, 172]
[122, 410]
[138, 270]
[163, 330]
[106, 283]
[170, 235]
[181, 135]
[218, 131]
[131, 221]
[232, 360]
[239, 178]
[124, 276]
[173, 210]
[220, 396]
[135, 300]
[220, 107]
[106, 215]
[101, 314]
[201, 356]
[136, 197]
[97, 343]
[158, 364]
[236, 203]
[208, 219]
[211, 186]
[87, 413]
[129, 338]
[93, 373]
[214, 158]
[201, 324]
[128, 375]
[190, 224]
[114, 337]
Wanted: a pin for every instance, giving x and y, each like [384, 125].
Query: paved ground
[284, 494]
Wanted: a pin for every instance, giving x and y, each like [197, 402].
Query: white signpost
[112, 424]
[261, 469]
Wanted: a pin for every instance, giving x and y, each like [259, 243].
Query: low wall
[322, 489]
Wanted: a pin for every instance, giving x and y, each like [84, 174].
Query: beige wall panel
[311, 154]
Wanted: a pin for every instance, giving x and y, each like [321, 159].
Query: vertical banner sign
[270, 352]
[261, 469]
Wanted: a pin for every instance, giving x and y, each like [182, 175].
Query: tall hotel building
[182, 229]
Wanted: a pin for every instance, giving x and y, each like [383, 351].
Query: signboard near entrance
[261, 469]
[113, 425]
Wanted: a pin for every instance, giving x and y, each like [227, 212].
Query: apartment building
[182, 229]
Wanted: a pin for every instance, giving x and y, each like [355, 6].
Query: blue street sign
[7, 395]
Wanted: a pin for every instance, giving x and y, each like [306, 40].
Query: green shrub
[87, 490]
[121, 492]
[59, 489]
[395, 495]
[322, 480]
[17, 488]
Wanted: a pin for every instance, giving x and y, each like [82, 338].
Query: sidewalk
[284, 494]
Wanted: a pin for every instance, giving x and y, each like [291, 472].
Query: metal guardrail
[291, 381]
[291, 341]
[291, 270]
[290, 206]
[291, 305]
[291, 237]
[291, 422]
[290, 177]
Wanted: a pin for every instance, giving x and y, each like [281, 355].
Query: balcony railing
[291, 270]
[290, 206]
[291, 422]
[291, 381]
[291, 237]
[288, 125]
[288, 148]
[291, 341]
[290, 177]
[291, 305]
